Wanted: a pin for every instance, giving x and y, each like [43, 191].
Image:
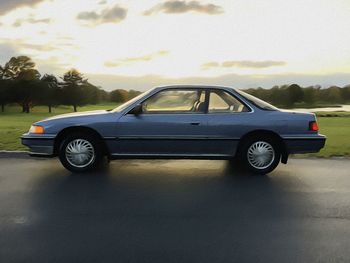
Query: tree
[27, 89]
[119, 95]
[310, 95]
[51, 94]
[133, 93]
[334, 94]
[16, 65]
[345, 93]
[103, 95]
[92, 93]
[72, 88]
[22, 79]
[294, 94]
[275, 95]
[4, 93]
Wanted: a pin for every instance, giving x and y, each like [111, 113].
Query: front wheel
[260, 155]
[80, 153]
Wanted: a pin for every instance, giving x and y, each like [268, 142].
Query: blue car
[195, 122]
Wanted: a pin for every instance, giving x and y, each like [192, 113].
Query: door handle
[195, 123]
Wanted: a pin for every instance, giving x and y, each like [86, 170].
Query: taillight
[313, 126]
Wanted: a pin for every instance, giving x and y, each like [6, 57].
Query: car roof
[191, 86]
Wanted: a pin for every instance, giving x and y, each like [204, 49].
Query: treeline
[289, 96]
[21, 83]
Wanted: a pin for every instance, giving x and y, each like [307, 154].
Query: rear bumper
[39, 145]
[305, 144]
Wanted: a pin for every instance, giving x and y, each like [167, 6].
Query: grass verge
[13, 123]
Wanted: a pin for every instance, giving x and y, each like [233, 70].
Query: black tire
[255, 142]
[92, 164]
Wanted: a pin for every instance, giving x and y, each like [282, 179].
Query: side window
[175, 101]
[221, 101]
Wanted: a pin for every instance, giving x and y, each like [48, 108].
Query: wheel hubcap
[80, 153]
[260, 155]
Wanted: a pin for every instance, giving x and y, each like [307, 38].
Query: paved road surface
[174, 211]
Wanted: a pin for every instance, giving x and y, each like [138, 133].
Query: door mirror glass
[137, 110]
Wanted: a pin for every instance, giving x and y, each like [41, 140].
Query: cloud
[243, 64]
[19, 44]
[7, 51]
[108, 15]
[253, 64]
[88, 16]
[36, 47]
[52, 65]
[178, 7]
[124, 61]
[31, 20]
[209, 65]
[9, 5]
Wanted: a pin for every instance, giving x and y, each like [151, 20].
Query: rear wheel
[260, 155]
[80, 153]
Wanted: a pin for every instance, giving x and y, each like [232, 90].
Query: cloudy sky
[139, 44]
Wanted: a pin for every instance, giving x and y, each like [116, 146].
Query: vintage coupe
[199, 122]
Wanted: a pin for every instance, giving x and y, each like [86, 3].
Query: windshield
[255, 101]
[129, 102]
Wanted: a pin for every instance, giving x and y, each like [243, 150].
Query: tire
[89, 158]
[260, 155]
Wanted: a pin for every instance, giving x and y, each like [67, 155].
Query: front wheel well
[78, 129]
[266, 134]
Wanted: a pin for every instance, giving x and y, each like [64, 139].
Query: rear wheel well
[79, 129]
[266, 134]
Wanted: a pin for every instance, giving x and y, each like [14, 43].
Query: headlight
[36, 129]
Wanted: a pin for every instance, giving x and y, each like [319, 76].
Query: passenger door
[228, 119]
[172, 123]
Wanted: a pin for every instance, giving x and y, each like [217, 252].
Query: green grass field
[13, 124]
[337, 130]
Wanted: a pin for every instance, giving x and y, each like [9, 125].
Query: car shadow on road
[166, 211]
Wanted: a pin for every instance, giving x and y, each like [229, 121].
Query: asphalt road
[174, 211]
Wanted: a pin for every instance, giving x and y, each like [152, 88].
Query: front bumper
[41, 145]
[304, 144]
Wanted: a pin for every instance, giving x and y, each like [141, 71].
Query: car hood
[77, 114]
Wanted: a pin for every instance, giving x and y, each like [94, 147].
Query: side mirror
[137, 110]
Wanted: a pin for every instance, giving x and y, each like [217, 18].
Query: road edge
[14, 154]
[25, 154]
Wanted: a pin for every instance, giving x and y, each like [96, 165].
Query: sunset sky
[139, 44]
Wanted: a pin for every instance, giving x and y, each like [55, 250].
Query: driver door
[172, 123]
